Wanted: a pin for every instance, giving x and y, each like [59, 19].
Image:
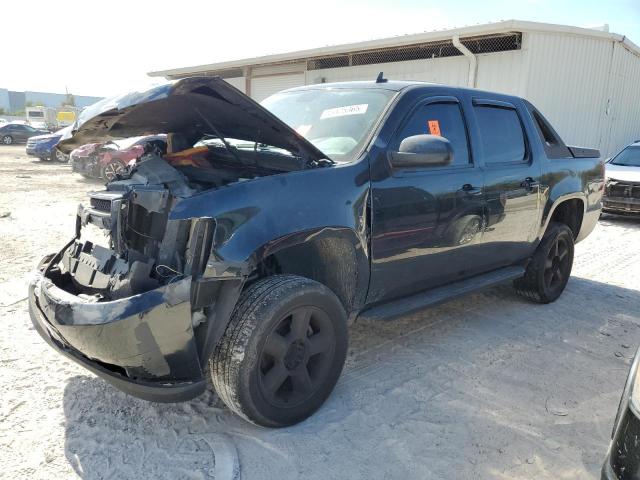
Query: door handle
[470, 189]
[529, 183]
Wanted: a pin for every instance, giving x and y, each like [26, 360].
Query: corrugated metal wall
[623, 106]
[588, 87]
[448, 70]
[567, 81]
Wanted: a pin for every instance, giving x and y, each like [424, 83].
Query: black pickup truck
[243, 253]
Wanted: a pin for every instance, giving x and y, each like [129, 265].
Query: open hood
[193, 107]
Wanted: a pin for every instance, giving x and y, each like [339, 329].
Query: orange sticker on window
[434, 127]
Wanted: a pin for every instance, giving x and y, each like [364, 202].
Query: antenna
[381, 78]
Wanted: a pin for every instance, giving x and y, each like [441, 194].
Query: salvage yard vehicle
[244, 253]
[106, 160]
[18, 133]
[44, 146]
[622, 189]
[623, 458]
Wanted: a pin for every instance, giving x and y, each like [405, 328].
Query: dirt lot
[485, 387]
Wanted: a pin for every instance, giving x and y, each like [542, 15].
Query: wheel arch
[568, 209]
[333, 257]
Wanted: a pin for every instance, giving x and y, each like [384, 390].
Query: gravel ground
[485, 387]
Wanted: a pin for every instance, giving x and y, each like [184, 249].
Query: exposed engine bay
[215, 136]
[125, 243]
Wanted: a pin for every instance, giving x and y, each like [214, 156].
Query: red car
[106, 160]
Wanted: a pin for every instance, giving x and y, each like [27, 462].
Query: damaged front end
[140, 298]
[138, 307]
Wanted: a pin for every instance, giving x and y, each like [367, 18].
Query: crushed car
[106, 160]
[44, 146]
[244, 252]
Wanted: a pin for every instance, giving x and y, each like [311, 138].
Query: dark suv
[244, 252]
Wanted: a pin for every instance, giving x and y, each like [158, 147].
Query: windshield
[336, 121]
[629, 157]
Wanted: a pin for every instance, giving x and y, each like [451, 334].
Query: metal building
[586, 81]
[12, 101]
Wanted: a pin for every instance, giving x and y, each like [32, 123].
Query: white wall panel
[567, 80]
[504, 72]
[263, 87]
[622, 111]
[239, 82]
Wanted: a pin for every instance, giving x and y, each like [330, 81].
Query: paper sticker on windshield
[343, 111]
[434, 127]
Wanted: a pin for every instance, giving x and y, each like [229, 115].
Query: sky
[106, 48]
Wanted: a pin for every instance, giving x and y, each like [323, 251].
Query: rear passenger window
[502, 135]
[444, 119]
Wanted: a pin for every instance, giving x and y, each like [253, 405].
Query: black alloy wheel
[282, 352]
[549, 269]
[296, 357]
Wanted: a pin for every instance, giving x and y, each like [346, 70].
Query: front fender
[257, 218]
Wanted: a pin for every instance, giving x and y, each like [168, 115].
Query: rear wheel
[550, 267]
[7, 140]
[282, 352]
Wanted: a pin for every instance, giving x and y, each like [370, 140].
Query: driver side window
[445, 120]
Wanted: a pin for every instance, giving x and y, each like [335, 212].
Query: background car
[40, 126]
[106, 160]
[43, 146]
[18, 133]
[622, 190]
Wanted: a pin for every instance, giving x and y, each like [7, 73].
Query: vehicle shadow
[630, 220]
[487, 386]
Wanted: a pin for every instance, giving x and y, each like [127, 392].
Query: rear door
[425, 221]
[512, 180]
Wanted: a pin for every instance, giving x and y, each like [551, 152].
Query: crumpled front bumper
[621, 204]
[144, 345]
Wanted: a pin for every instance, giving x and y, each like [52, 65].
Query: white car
[622, 190]
[39, 125]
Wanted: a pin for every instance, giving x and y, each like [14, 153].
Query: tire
[111, 169]
[549, 270]
[60, 157]
[7, 140]
[264, 368]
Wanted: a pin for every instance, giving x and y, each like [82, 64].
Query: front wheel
[7, 140]
[282, 352]
[111, 170]
[550, 267]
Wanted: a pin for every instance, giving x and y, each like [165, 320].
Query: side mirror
[422, 151]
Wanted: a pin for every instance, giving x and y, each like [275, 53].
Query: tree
[2, 112]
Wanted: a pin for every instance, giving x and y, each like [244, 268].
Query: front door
[426, 221]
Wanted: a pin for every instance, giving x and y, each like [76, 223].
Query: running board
[419, 301]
